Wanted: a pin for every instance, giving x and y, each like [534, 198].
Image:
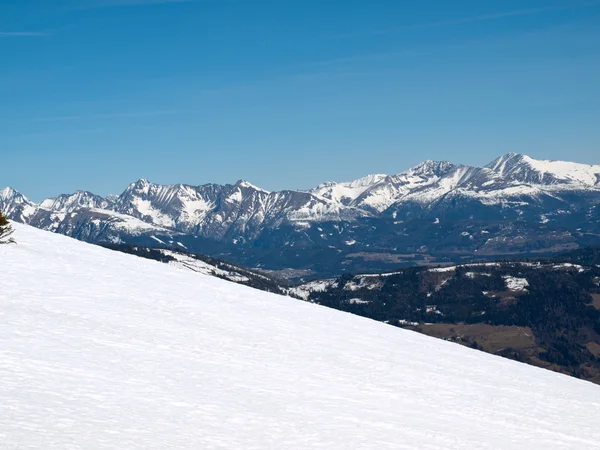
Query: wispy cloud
[119, 115]
[465, 20]
[106, 3]
[7, 34]
[98, 4]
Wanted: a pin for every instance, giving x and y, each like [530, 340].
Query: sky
[287, 94]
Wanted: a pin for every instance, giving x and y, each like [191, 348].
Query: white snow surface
[585, 174]
[102, 350]
[126, 222]
[304, 290]
[347, 191]
[577, 267]
[196, 265]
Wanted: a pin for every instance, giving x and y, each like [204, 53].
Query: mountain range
[433, 212]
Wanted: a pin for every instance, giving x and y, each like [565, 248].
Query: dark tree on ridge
[5, 230]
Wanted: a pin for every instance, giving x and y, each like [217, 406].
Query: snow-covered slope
[375, 193]
[526, 169]
[224, 270]
[104, 350]
[346, 193]
[74, 202]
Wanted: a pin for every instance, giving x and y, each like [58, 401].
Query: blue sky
[95, 94]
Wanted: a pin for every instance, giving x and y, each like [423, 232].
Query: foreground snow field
[102, 350]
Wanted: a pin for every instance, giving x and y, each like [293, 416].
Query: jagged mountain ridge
[367, 214]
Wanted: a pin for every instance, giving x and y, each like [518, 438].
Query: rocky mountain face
[436, 211]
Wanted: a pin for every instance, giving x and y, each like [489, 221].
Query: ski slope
[102, 350]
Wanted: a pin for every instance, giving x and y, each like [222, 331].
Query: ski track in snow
[102, 350]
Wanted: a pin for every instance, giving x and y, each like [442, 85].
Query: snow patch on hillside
[515, 283]
[303, 291]
[196, 265]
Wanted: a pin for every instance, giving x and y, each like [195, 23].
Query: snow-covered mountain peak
[326, 184]
[141, 185]
[429, 168]
[15, 205]
[367, 181]
[77, 200]
[359, 184]
[246, 184]
[9, 193]
[523, 168]
[347, 192]
[504, 163]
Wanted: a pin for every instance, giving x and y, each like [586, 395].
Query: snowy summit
[105, 350]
